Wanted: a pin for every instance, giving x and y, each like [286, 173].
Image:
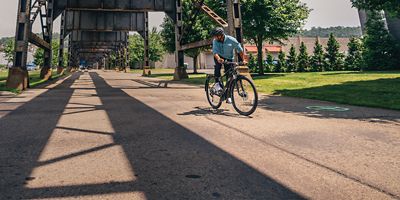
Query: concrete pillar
[18, 77]
[180, 71]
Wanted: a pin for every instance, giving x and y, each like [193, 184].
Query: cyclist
[224, 50]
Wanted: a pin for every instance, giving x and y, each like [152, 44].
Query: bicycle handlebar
[233, 63]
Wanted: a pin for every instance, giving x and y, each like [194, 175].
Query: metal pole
[180, 71]
[60, 68]
[48, 36]
[235, 21]
[18, 77]
[146, 66]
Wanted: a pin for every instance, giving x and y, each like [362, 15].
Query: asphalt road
[109, 135]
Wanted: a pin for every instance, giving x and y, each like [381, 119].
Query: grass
[34, 79]
[373, 89]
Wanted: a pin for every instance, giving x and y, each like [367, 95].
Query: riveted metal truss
[97, 29]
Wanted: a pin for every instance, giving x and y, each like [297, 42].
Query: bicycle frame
[231, 76]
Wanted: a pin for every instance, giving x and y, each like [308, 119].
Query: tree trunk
[195, 64]
[260, 57]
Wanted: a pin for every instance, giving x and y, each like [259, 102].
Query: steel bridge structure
[96, 29]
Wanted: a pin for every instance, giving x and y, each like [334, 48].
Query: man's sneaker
[217, 87]
[229, 101]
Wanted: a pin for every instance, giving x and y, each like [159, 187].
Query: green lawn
[34, 77]
[374, 89]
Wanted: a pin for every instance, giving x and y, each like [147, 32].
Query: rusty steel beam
[104, 21]
[38, 41]
[195, 45]
[133, 5]
[97, 43]
[214, 16]
[103, 37]
[94, 50]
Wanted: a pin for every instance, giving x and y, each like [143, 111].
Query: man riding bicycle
[224, 50]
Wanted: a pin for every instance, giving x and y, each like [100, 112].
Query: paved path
[108, 135]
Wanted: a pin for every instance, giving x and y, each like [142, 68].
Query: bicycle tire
[254, 107]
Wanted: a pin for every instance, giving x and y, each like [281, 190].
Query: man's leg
[217, 70]
[227, 68]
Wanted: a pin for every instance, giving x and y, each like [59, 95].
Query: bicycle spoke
[244, 96]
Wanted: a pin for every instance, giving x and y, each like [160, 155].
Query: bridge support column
[69, 62]
[18, 77]
[146, 64]
[105, 61]
[60, 68]
[47, 29]
[126, 56]
[235, 20]
[180, 70]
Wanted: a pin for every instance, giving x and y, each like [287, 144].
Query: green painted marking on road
[328, 108]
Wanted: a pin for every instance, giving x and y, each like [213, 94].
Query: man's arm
[218, 58]
[240, 50]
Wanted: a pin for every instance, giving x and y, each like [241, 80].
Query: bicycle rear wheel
[213, 98]
[244, 96]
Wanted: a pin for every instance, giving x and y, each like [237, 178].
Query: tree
[156, 49]
[339, 31]
[334, 59]
[136, 47]
[252, 63]
[9, 50]
[168, 35]
[38, 57]
[292, 60]
[392, 6]
[281, 66]
[270, 63]
[271, 20]
[55, 45]
[354, 59]
[380, 47]
[303, 59]
[318, 58]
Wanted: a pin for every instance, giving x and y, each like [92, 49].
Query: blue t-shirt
[226, 49]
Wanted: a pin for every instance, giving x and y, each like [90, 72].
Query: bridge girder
[102, 26]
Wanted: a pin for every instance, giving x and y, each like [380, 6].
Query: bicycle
[238, 87]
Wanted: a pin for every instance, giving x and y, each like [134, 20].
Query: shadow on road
[24, 134]
[202, 111]
[169, 161]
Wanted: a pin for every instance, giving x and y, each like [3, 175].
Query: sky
[325, 13]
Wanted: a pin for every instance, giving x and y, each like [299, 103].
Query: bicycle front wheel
[244, 96]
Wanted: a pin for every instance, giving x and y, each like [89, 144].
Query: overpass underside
[97, 32]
